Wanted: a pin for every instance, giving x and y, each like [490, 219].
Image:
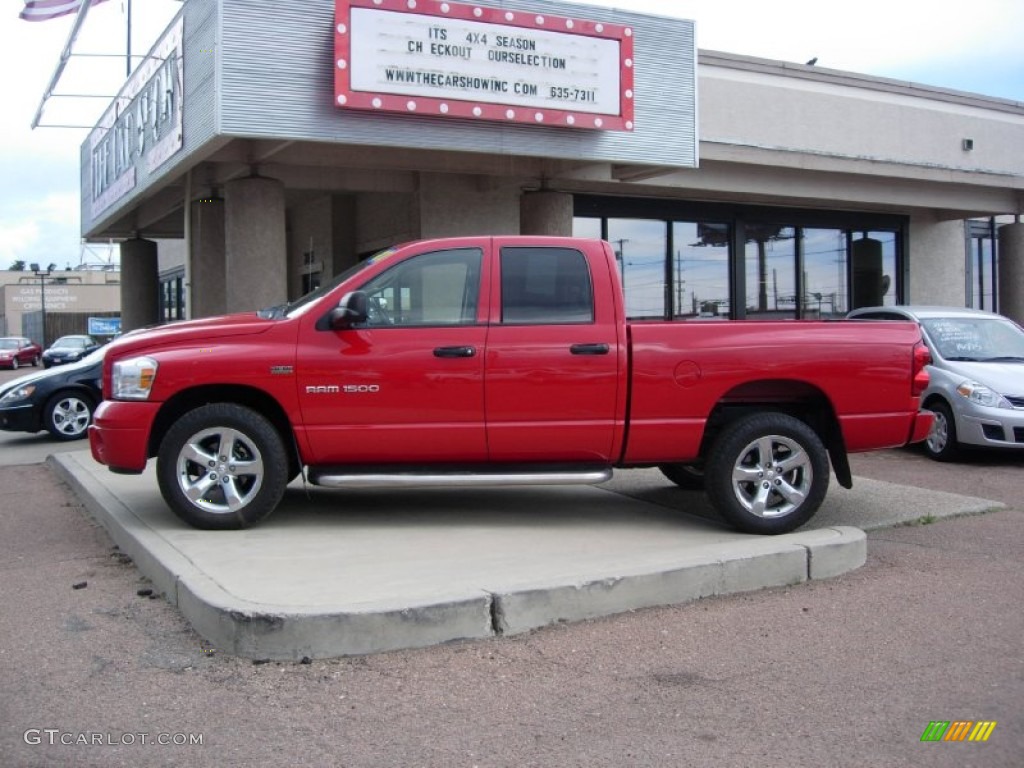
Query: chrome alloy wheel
[938, 437]
[220, 470]
[70, 416]
[772, 476]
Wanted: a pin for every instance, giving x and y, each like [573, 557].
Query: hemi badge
[281, 370]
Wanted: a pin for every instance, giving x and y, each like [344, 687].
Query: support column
[256, 247]
[206, 265]
[454, 204]
[140, 284]
[546, 213]
[1011, 271]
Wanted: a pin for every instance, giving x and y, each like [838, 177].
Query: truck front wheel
[767, 473]
[222, 466]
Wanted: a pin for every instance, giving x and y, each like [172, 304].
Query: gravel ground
[842, 672]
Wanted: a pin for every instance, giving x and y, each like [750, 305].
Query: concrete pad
[335, 573]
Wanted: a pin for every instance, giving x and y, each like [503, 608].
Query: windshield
[8, 344]
[975, 339]
[297, 307]
[70, 342]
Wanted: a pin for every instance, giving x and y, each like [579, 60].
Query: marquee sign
[142, 127]
[445, 59]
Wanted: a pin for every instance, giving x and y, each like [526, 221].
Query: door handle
[589, 349]
[454, 351]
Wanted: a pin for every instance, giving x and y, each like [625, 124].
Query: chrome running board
[460, 479]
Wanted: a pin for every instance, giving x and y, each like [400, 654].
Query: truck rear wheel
[222, 466]
[767, 473]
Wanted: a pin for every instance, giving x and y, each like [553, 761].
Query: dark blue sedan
[61, 400]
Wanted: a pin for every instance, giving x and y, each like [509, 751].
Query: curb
[289, 633]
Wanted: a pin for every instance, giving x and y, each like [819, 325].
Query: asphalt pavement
[97, 669]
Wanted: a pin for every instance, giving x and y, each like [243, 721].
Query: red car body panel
[604, 391]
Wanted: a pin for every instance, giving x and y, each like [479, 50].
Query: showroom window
[708, 261]
[172, 296]
[981, 265]
[699, 261]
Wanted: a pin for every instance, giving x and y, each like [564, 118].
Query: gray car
[977, 376]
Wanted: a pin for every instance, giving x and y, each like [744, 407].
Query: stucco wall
[938, 266]
[452, 204]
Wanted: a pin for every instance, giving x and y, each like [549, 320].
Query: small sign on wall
[443, 59]
[104, 326]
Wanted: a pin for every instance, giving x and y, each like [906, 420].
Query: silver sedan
[977, 376]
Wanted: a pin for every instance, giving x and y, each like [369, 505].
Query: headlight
[18, 394]
[132, 379]
[982, 395]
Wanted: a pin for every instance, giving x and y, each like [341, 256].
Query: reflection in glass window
[824, 273]
[981, 265]
[436, 288]
[700, 286]
[682, 262]
[640, 247]
[873, 269]
[770, 256]
[586, 227]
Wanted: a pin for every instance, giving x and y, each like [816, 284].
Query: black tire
[941, 443]
[767, 473]
[67, 415]
[688, 476]
[35, 361]
[216, 490]
[15, 364]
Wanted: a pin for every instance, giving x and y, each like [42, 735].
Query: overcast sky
[974, 46]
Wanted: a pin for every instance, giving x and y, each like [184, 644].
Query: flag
[43, 10]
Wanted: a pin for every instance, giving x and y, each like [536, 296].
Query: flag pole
[128, 45]
[83, 9]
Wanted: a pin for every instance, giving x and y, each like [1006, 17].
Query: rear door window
[545, 286]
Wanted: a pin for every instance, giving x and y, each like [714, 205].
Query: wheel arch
[937, 397]
[71, 388]
[799, 399]
[249, 397]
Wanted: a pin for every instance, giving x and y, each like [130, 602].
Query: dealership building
[273, 145]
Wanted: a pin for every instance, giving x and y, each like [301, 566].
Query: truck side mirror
[352, 309]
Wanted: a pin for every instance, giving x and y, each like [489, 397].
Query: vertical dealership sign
[143, 126]
[447, 59]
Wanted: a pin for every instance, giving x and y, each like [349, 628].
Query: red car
[16, 351]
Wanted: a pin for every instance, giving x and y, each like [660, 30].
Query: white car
[977, 376]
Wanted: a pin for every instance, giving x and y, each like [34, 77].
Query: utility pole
[42, 274]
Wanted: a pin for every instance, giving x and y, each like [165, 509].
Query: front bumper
[20, 418]
[119, 434]
[990, 427]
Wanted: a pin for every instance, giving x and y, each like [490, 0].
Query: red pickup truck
[501, 361]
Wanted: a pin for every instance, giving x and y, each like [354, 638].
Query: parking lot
[844, 671]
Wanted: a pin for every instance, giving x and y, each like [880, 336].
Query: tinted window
[545, 286]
